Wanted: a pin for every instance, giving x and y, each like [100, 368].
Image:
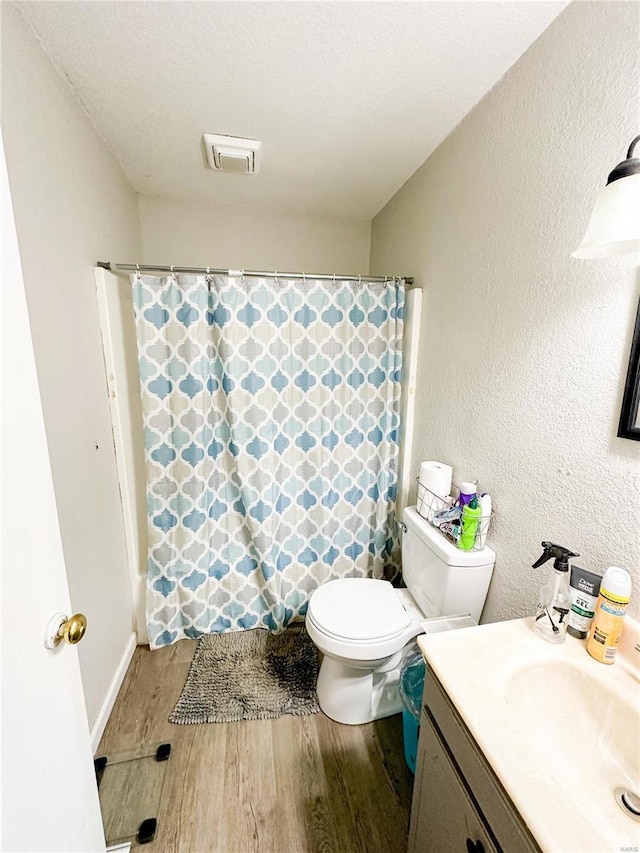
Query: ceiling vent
[232, 153]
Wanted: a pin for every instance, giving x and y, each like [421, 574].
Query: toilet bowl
[363, 626]
[362, 629]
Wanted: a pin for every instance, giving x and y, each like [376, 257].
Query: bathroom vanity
[458, 803]
[524, 745]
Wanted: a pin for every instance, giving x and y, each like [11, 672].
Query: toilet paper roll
[435, 478]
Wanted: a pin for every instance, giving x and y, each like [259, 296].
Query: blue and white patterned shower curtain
[271, 419]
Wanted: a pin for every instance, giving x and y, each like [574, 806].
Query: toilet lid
[358, 609]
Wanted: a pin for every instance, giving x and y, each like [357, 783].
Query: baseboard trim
[109, 700]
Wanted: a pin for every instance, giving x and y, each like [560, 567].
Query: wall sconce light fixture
[614, 227]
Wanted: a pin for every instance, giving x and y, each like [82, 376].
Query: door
[49, 793]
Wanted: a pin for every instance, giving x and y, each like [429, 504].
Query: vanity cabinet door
[443, 816]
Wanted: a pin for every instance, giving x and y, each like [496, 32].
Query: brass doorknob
[60, 628]
[72, 631]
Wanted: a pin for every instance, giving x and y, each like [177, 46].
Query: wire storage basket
[434, 509]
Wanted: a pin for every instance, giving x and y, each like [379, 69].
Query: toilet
[364, 626]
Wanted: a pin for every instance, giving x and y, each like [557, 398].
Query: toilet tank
[442, 579]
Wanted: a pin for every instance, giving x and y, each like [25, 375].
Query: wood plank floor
[291, 785]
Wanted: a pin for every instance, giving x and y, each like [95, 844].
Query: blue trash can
[411, 690]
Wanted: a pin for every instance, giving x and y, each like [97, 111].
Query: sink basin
[588, 733]
[560, 730]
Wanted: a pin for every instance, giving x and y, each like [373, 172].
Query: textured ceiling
[348, 98]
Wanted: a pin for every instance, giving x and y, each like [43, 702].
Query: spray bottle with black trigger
[554, 602]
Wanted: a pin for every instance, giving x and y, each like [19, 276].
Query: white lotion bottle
[485, 518]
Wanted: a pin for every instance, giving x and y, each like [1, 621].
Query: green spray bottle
[470, 521]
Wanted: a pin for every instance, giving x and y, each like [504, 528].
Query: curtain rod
[119, 268]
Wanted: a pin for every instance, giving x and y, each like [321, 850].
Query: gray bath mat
[250, 675]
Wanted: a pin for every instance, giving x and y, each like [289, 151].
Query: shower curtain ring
[334, 279]
[173, 275]
[359, 281]
[137, 271]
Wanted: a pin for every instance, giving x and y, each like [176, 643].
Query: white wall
[225, 236]
[73, 206]
[524, 350]
[115, 301]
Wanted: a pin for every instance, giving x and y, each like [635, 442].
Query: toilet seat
[359, 619]
[358, 610]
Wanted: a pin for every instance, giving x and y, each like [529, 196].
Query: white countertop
[542, 745]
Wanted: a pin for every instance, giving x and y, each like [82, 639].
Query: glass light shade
[614, 227]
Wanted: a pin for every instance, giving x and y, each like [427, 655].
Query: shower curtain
[271, 419]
